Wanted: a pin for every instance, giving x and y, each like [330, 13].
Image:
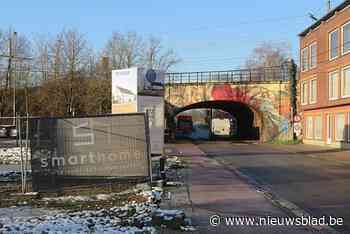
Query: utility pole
[9, 71]
[10, 82]
[10, 77]
[12, 54]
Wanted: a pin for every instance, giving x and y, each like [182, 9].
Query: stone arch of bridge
[249, 120]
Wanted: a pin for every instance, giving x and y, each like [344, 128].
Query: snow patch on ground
[131, 218]
[11, 176]
[12, 155]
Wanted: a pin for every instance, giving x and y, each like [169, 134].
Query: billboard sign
[108, 146]
[151, 82]
[124, 90]
[148, 85]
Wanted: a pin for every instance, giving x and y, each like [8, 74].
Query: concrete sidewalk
[215, 190]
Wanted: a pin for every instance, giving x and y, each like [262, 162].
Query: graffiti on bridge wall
[270, 101]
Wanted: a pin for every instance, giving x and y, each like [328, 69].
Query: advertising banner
[151, 82]
[148, 85]
[112, 146]
[124, 90]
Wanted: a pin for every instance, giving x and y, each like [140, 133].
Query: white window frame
[329, 85]
[329, 128]
[342, 82]
[342, 39]
[305, 50]
[330, 44]
[311, 66]
[336, 127]
[321, 128]
[310, 91]
[304, 96]
[310, 128]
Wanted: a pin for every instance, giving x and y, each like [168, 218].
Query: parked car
[3, 132]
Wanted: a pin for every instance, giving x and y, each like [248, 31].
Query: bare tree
[66, 76]
[266, 58]
[67, 59]
[131, 50]
[123, 50]
[131, 46]
[269, 54]
[114, 51]
[75, 58]
[156, 57]
[56, 56]
[41, 52]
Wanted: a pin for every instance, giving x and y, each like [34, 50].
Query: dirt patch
[10, 195]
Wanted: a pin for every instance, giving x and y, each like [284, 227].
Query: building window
[304, 59]
[313, 55]
[318, 127]
[333, 44]
[333, 86]
[340, 133]
[346, 38]
[304, 93]
[313, 91]
[346, 82]
[309, 127]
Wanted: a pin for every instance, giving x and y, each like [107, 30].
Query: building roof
[325, 17]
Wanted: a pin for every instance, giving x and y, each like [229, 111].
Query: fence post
[19, 133]
[148, 146]
[26, 158]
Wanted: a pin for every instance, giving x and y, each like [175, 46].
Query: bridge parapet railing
[264, 74]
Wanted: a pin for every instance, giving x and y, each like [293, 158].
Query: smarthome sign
[109, 146]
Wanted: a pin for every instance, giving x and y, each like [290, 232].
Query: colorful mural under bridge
[269, 101]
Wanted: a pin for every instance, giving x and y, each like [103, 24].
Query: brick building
[325, 79]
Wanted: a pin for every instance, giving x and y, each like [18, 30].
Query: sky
[205, 34]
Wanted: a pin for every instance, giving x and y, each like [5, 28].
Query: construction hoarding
[113, 146]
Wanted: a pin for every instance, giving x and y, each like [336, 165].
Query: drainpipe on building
[293, 92]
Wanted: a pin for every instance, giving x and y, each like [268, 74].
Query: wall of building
[323, 105]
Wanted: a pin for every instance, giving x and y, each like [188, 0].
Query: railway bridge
[262, 100]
